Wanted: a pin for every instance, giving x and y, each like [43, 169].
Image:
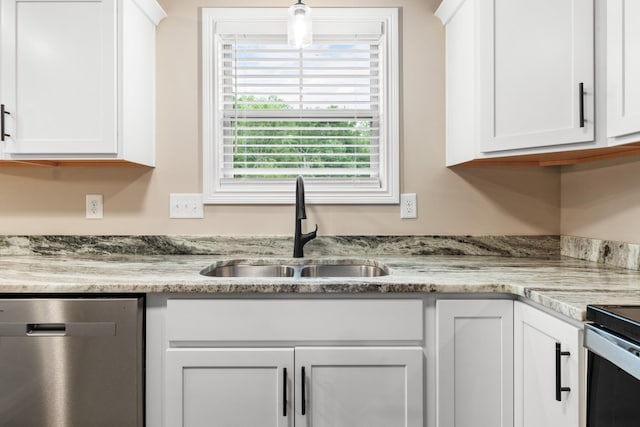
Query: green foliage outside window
[299, 144]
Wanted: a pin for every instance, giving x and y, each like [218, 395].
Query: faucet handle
[310, 235]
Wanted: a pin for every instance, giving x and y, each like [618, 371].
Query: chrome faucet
[299, 239]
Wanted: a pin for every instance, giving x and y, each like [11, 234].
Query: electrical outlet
[94, 206]
[408, 205]
[186, 205]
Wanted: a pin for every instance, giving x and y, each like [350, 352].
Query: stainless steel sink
[248, 270]
[310, 269]
[343, 270]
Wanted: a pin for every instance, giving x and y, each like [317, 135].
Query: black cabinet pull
[284, 392]
[3, 135]
[581, 99]
[559, 388]
[304, 392]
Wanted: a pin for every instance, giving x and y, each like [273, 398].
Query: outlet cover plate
[408, 205]
[94, 206]
[186, 205]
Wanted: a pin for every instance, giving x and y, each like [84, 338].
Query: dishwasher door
[71, 362]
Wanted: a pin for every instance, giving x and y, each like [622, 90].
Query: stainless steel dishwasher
[71, 362]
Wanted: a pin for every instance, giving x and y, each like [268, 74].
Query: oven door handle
[623, 353]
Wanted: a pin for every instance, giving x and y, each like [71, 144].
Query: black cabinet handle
[304, 392]
[3, 135]
[559, 388]
[581, 90]
[284, 392]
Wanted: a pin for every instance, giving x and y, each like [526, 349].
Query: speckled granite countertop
[563, 284]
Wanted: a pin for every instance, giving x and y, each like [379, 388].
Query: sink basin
[248, 270]
[342, 270]
[310, 269]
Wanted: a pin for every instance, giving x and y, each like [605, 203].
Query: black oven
[613, 373]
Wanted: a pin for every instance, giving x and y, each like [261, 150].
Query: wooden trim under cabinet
[560, 158]
[71, 163]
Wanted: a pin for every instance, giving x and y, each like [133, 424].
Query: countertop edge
[330, 288]
[564, 286]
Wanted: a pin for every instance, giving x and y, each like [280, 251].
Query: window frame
[217, 190]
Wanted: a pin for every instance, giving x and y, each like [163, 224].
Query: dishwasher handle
[54, 329]
[46, 329]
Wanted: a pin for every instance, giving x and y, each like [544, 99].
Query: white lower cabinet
[505, 363]
[474, 341]
[360, 362]
[358, 387]
[548, 366]
[228, 387]
[306, 386]
[268, 362]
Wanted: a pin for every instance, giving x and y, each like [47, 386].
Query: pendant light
[299, 25]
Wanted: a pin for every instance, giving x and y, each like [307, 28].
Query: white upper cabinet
[60, 76]
[527, 83]
[535, 56]
[78, 79]
[623, 70]
[520, 75]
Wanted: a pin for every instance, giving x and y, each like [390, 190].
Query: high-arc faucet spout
[300, 239]
[301, 212]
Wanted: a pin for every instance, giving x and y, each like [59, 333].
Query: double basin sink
[306, 268]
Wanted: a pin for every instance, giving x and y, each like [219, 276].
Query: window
[328, 112]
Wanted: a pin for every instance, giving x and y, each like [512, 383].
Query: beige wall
[463, 201]
[602, 200]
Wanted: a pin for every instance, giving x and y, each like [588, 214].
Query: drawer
[232, 320]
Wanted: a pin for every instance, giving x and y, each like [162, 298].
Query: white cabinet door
[229, 387]
[59, 76]
[342, 387]
[359, 387]
[623, 67]
[534, 55]
[536, 337]
[474, 363]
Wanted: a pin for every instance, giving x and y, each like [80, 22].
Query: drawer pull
[304, 391]
[581, 100]
[559, 388]
[284, 392]
[3, 135]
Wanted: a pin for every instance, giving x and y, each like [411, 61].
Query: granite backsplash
[618, 254]
[508, 246]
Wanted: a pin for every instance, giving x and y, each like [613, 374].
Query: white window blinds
[328, 112]
[288, 112]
